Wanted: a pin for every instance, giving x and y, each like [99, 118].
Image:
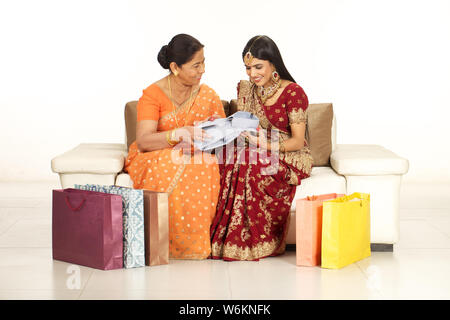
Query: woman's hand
[188, 134]
[211, 118]
[214, 117]
[259, 140]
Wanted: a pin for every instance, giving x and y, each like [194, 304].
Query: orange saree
[192, 180]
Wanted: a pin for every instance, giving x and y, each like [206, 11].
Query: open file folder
[225, 130]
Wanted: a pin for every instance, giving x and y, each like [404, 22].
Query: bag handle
[330, 196]
[70, 206]
[355, 195]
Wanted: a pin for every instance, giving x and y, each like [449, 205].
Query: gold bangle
[169, 141]
[172, 137]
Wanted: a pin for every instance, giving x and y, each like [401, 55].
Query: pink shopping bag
[87, 228]
[309, 228]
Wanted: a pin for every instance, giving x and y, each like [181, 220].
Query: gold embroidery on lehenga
[236, 218]
[248, 190]
[227, 185]
[259, 250]
[264, 183]
[300, 159]
[245, 235]
[222, 232]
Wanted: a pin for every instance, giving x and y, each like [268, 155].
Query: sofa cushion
[318, 134]
[97, 158]
[233, 107]
[69, 180]
[131, 116]
[130, 122]
[124, 180]
[367, 160]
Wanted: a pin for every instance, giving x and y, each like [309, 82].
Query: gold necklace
[265, 94]
[173, 105]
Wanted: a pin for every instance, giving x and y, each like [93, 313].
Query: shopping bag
[345, 230]
[87, 228]
[308, 228]
[156, 220]
[133, 222]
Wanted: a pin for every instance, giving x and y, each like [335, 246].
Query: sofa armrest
[97, 158]
[367, 160]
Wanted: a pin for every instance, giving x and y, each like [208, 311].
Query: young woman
[166, 113]
[254, 203]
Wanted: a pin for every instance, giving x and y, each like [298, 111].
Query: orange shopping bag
[309, 228]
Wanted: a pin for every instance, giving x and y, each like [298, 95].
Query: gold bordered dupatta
[182, 112]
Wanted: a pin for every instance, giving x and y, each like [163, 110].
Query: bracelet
[169, 135]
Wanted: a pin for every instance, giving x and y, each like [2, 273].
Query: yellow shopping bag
[345, 230]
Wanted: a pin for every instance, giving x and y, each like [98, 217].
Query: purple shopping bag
[87, 228]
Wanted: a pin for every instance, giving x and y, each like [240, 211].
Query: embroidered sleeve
[244, 92]
[297, 104]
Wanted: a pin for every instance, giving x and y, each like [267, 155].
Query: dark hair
[264, 48]
[180, 50]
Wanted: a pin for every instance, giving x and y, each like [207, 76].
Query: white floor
[419, 267]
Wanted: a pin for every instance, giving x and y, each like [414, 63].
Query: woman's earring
[175, 73]
[275, 76]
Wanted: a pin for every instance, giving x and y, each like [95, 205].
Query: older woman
[166, 113]
[256, 195]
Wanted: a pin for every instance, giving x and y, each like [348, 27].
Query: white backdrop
[67, 68]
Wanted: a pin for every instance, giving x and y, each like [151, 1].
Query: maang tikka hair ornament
[248, 57]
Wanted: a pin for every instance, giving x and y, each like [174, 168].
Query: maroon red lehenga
[253, 209]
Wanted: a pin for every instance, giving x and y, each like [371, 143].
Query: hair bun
[162, 57]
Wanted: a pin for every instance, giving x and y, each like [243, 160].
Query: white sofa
[353, 168]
